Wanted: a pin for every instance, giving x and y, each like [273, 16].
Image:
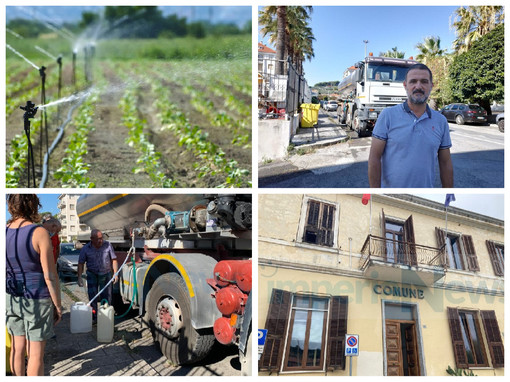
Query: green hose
[135, 289]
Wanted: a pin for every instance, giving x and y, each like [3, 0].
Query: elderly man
[101, 260]
[53, 227]
[409, 139]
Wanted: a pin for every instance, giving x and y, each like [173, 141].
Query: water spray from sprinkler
[30, 111]
[14, 33]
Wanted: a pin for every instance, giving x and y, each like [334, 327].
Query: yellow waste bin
[310, 114]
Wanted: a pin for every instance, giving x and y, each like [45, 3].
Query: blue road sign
[262, 336]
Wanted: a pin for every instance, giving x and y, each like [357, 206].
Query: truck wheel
[348, 121]
[501, 125]
[169, 316]
[357, 124]
[246, 359]
[459, 120]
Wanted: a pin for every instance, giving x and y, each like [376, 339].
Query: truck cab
[370, 86]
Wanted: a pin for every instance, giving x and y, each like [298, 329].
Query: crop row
[17, 160]
[149, 160]
[73, 171]
[192, 138]
[240, 127]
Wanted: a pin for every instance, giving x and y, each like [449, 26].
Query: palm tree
[473, 22]
[429, 49]
[394, 53]
[288, 29]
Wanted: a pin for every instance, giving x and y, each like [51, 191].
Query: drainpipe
[350, 252]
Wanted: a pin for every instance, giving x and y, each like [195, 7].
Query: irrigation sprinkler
[30, 111]
[44, 119]
[74, 68]
[59, 91]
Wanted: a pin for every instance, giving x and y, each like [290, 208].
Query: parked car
[461, 113]
[67, 262]
[500, 120]
[330, 106]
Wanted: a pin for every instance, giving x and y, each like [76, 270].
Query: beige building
[421, 292]
[71, 227]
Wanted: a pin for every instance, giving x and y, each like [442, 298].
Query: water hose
[131, 250]
[135, 289]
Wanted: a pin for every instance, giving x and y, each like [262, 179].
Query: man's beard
[418, 101]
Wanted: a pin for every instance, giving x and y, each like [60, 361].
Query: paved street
[477, 154]
[131, 353]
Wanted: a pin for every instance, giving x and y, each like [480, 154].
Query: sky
[228, 14]
[486, 204]
[49, 204]
[340, 31]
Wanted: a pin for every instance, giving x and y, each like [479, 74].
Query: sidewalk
[326, 132]
[131, 353]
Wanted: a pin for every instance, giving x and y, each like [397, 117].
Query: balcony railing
[400, 252]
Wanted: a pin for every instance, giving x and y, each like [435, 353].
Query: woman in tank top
[33, 304]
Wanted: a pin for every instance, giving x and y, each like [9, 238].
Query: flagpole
[370, 227]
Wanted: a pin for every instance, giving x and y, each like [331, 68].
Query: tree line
[132, 22]
[473, 72]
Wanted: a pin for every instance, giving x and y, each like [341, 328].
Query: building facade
[423, 291]
[71, 227]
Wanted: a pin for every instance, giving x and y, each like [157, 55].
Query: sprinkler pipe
[74, 68]
[30, 111]
[59, 62]
[44, 120]
[55, 142]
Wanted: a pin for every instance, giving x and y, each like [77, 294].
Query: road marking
[477, 138]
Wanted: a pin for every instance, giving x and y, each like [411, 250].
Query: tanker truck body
[190, 268]
[368, 87]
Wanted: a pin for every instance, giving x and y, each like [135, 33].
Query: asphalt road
[131, 353]
[477, 154]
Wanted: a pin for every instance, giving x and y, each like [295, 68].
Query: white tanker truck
[190, 270]
[367, 88]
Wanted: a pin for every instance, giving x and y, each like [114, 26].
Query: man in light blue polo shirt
[409, 138]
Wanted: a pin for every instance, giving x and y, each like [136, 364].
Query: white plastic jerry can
[81, 318]
[105, 323]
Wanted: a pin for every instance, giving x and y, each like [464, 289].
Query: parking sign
[351, 345]
[262, 333]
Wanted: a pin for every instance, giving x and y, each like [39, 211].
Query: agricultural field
[131, 113]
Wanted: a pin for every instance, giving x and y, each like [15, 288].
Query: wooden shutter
[459, 351]
[336, 333]
[409, 238]
[493, 254]
[326, 236]
[276, 325]
[493, 336]
[469, 247]
[441, 240]
[310, 233]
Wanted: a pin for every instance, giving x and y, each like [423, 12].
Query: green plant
[459, 372]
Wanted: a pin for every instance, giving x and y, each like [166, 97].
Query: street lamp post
[366, 43]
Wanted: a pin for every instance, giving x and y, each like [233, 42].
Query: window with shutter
[320, 224]
[459, 250]
[497, 256]
[493, 336]
[276, 325]
[309, 326]
[467, 339]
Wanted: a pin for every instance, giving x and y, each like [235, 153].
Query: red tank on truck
[189, 271]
